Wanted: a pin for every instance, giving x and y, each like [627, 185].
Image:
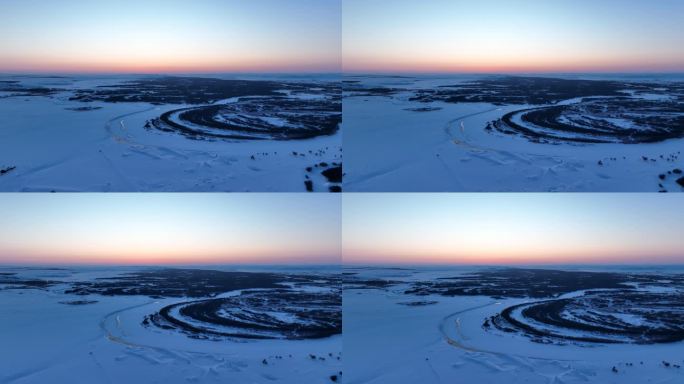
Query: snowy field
[437, 333]
[105, 134]
[438, 134]
[90, 325]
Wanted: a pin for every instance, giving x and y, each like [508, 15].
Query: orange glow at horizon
[153, 36]
[165, 259]
[192, 228]
[454, 68]
[455, 258]
[156, 66]
[511, 62]
[494, 36]
[154, 252]
[473, 228]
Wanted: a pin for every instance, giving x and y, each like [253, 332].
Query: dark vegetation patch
[606, 111]
[533, 283]
[378, 268]
[198, 90]
[192, 282]
[511, 90]
[423, 109]
[308, 184]
[265, 110]
[79, 302]
[83, 109]
[674, 173]
[275, 118]
[177, 90]
[331, 172]
[357, 89]
[418, 303]
[17, 90]
[622, 316]
[352, 281]
[270, 314]
[593, 121]
[334, 174]
[176, 283]
[4, 171]
[13, 281]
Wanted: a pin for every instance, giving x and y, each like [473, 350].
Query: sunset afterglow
[80, 36]
[497, 36]
[512, 228]
[169, 229]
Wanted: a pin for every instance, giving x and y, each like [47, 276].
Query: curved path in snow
[450, 327]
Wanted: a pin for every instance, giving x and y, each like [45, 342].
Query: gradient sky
[169, 228]
[513, 36]
[151, 36]
[513, 228]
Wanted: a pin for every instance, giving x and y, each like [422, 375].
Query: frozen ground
[105, 134]
[427, 325]
[437, 134]
[97, 333]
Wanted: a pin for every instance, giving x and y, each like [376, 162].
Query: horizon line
[170, 73]
[353, 263]
[405, 72]
[87, 264]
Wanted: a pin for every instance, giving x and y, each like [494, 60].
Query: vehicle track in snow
[450, 327]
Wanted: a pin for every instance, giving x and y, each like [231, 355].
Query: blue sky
[513, 35]
[169, 228]
[170, 36]
[483, 228]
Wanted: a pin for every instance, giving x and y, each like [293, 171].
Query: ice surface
[397, 144]
[45, 340]
[443, 341]
[57, 147]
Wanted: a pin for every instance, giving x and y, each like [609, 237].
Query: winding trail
[459, 138]
[113, 318]
[136, 146]
[455, 337]
[463, 139]
[112, 133]
[116, 339]
[118, 132]
[454, 320]
[543, 164]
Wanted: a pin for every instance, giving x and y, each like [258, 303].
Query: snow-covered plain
[49, 336]
[394, 337]
[395, 144]
[51, 143]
